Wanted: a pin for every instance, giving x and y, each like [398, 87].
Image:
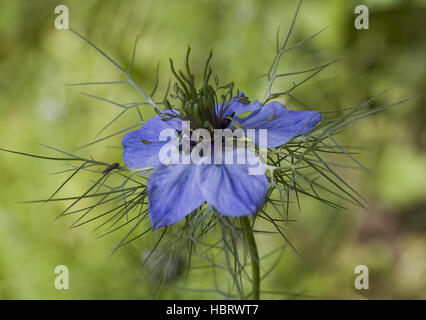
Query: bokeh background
[36, 61]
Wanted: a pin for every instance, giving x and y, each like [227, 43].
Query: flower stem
[255, 270]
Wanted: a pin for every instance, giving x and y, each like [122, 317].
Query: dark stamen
[224, 124]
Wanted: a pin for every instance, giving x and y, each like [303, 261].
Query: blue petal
[173, 193]
[282, 124]
[238, 107]
[230, 189]
[145, 156]
[141, 147]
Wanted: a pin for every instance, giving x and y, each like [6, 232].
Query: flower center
[206, 105]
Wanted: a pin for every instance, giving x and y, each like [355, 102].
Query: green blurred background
[36, 60]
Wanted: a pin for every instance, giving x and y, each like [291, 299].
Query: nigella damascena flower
[175, 190]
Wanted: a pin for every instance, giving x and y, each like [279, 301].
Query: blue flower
[176, 190]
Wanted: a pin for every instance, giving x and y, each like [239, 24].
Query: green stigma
[204, 105]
